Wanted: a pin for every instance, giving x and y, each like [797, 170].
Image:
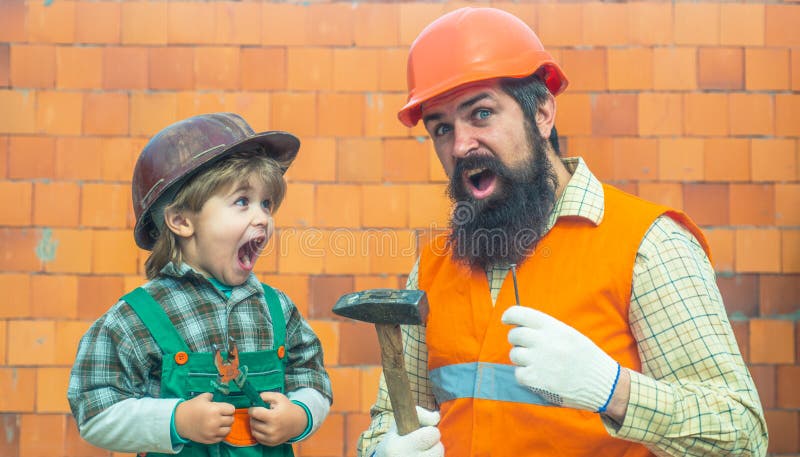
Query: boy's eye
[266, 204]
[241, 201]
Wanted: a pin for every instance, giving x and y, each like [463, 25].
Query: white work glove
[426, 441]
[558, 362]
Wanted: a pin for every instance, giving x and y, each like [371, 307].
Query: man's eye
[482, 113]
[441, 129]
[241, 201]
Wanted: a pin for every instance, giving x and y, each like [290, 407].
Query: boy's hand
[202, 420]
[282, 421]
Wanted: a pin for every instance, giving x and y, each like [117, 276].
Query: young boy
[203, 360]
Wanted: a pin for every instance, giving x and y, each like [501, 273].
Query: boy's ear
[178, 222]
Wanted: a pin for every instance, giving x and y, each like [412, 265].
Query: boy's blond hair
[231, 170]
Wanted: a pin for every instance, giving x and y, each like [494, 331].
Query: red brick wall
[696, 105]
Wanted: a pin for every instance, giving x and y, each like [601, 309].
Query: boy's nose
[261, 217]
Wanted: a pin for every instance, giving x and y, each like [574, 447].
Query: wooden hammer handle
[394, 372]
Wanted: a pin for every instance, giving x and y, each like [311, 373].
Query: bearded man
[616, 341]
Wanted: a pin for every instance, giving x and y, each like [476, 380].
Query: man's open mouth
[481, 182]
[249, 251]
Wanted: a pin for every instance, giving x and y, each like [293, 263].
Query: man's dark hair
[530, 92]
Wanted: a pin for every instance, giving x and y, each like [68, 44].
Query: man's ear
[178, 222]
[546, 116]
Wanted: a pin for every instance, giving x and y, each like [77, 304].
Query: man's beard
[505, 227]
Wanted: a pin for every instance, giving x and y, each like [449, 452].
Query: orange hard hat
[469, 45]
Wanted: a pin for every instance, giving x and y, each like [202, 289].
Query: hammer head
[384, 306]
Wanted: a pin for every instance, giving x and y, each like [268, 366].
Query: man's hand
[280, 422]
[423, 442]
[202, 420]
[559, 363]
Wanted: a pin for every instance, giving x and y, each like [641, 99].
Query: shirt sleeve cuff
[177, 440]
[309, 423]
[649, 414]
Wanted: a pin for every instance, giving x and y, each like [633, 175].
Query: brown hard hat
[185, 147]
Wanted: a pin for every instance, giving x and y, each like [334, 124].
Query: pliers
[228, 370]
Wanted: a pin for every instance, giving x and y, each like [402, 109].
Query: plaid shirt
[694, 395]
[119, 359]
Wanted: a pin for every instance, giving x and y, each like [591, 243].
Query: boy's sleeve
[304, 366]
[316, 406]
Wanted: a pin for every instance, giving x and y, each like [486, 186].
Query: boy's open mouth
[480, 182]
[249, 251]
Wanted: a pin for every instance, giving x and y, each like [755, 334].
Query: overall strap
[156, 320]
[275, 311]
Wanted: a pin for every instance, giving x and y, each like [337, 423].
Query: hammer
[387, 309]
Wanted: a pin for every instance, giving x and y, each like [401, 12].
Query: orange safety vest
[579, 273]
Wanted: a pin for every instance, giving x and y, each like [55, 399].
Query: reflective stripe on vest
[486, 381]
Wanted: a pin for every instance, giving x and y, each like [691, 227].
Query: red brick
[106, 113]
[385, 206]
[772, 341]
[787, 200]
[597, 152]
[790, 251]
[630, 69]
[359, 160]
[766, 69]
[354, 425]
[30, 157]
[381, 115]
[370, 378]
[98, 22]
[779, 294]
[144, 23]
[359, 344]
[779, 26]
[190, 23]
[238, 23]
[574, 114]
[405, 160]
[9, 441]
[16, 301]
[706, 203]
[335, 206]
[333, 24]
[416, 16]
[650, 23]
[125, 67]
[347, 251]
[216, 67]
[54, 296]
[291, 112]
[697, 23]
[355, 70]
[75, 445]
[12, 21]
[602, 25]
[752, 204]
[341, 114]
[615, 115]
[59, 113]
[31, 342]
[783, 429]
[296, 287]
[317, 162]
[42, 435]
[764, 378]
[72, 251]
[346, 389]
[78, 158]
[675, 68]
[721, 68]
[587, 69]
[51, 390]
[742, 24]
[663, 193]
[788, 380]
[561, 24]
[302, 251]
[727, 159]
[757, 250]
[680, 159]
[376, 25]
[751, 114]
[5, 65]
[297, 209]
[795, 69]
[392, 69]
[787, 111]
[327, 441]
[309, 68]
[56, 204]
[741, 331]
[635, 159]
[105, 205]
[96, 294]
[79, 67]
[21, 195]
[114, 251]
[263, 69]
[171, 68]
[393, 252]
[33, 65]
[284, 24]
[18, 385]
[431, 206]
[325, 291]
[51, 23]
[253, 106]
[773, 159]
[17, 111]
[701, 114]
[151, 112]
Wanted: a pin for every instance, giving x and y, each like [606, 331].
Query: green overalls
[186, 374]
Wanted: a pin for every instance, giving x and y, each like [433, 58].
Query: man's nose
[464, 140]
